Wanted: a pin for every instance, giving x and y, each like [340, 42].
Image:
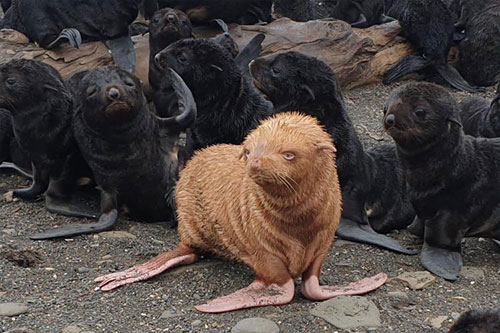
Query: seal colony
[273, 203]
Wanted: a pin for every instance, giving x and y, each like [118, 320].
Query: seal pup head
[285, 150]
[418, 114]
[169, 25]
[24, 83]
[292, 78]
[109, 97]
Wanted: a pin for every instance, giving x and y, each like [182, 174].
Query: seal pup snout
[390, 120]
[113, 93]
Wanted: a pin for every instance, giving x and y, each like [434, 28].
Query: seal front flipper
[250, 52]
[441, 262]
[409, 64]
[12, 166]
[69, 35]
[106, 221]
[123, 53]
[37, 188]
[361, 22]
[363, 233]
[453, 77]
[68, 208]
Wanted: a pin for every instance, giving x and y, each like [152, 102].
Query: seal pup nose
[255, 165]
[390, 120]
[113, 93]
[171, 18]
[157, 60]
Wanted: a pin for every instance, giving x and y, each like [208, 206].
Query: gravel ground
[60, 291]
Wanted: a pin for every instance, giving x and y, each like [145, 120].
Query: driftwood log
[358, 56]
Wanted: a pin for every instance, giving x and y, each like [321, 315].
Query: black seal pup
[428, 26]
[479, 46]
[234, 11]
[52, 22]
[303, 10]
[453, 179]
[250, 203]
[361, 13]
[132, 152]
[477, 321]
[481, 117]
[316, 92]
[227, 103]
[42, 108]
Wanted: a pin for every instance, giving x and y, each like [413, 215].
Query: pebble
[8, 196]
[72, 329]
[348, 312]
[12, 309]
[83, 269]
[11, 232]
[455, 315]
[399, 299]
[438, 321]
[106, 257]
[416, 280]
[472, 273]
[20, 330]
[196, 322]
[255, 325]
[169, 314]
[117, 235]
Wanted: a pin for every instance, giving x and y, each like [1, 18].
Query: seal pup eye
[275, 71]
[157, 19]
[91, 90]
[420, 113]
[129, 83]
[288, 156]
[10, 81]
[181, 58]
[247, 153]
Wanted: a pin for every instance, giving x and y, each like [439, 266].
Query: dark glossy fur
[5, 4]
[234, 11]
[479, 50]
[477, 321]
[453, 179]
[41, 109]
[10, 151]
[388, 204]
[43, 20]
[304, 10]
[350, 11]
[122, 142]
[228, 105]
[480, 117]
[165, 27]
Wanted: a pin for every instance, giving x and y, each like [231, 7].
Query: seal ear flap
[216, 67]
[454, 120]
[243, 155]
[309, 91]
[326, 146]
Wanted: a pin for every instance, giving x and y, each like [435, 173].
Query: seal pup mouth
[116, 106]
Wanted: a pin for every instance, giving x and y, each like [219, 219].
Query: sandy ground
[60, 291]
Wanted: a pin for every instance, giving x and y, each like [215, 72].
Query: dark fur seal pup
[479, 47]
[316, 92]
[42, 108]
[453, 179]
[481, 117]
[428, 26]
[388, 205]
[255, 199]
[228, 105]
[304, 10]
[477, 321]
[234, 11]
[132, 152]
[52, 22]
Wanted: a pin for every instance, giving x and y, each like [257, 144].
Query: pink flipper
[256, 294]
[148, 269]
[313, 291]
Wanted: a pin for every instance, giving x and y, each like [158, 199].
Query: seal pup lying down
[282, 78]
[273, 203]
[481, 117]
[453, 179]
[132, 152]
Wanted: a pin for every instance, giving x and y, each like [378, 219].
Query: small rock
[2, 293]
[117, 235]
[255, 325]
[437, 322]
[196, 322]
[72, 329]
[12, 309]
[83, 269]
[20, 330]
[348, 312]
[472, 273]
[416, 280]
[107, 257]
[169, 314]
[8, 196]
[399, 299]
[455, 315]
[11, 232]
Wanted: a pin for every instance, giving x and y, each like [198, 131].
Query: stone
[117, 235]
[472, 273]
[196, 322]
[347, 312]
[255, 325]
[12, 309]
[83, 270]
[169, 314]
[399, 299]
[416, 280]
[437, 322]
[8, 196]
[72, 329]
[20, 330]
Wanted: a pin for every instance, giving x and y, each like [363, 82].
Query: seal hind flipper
[453, 77]
[363, 233]
[441, 262]
[221, 24]
[386, 19]
[70, 35]
[408, 64]
[38, 186]
[106, 222]
[361, 22]
[250, 52]
[68, 208]
[123, 53]
[14, 167]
